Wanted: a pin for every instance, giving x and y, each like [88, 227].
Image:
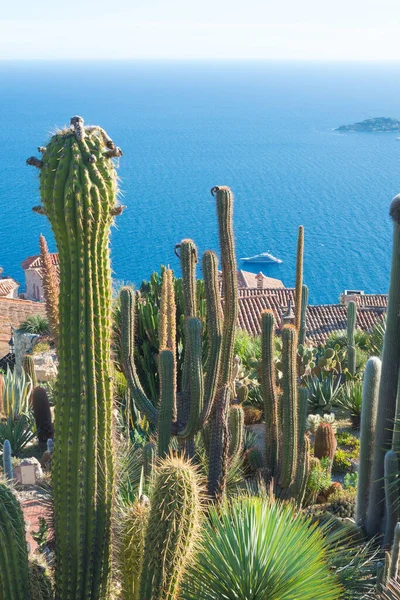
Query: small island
[377, 124]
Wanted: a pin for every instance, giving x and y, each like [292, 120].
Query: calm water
[264, 129]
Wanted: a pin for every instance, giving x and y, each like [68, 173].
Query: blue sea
[265, 129]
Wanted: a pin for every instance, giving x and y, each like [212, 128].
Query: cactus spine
[325, 442]
[351, 327]
[173, 525]
[388, 383]
[131, 548]
[7, 464]
[369, 409]
[303, 321]
[51, 287]
[14, 571]
[78, 190]
[149, 458]
[299, 277]
[29, 367]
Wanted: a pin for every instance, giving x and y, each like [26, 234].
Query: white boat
[264, 257]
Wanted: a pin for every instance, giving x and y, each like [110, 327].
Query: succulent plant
[51, 288]
[325, 442]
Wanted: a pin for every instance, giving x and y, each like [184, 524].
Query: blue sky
[201, 29]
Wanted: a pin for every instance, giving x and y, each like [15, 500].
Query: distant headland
[377, 124]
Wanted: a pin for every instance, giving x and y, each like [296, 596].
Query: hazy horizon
[217, 29]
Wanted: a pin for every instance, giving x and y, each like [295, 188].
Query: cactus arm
[391, 495]
[394, 567]
[7, 464]
[127, 297]
[236, 428]
[270, 393]
[219, 441]
[167, 373]
[303, 319]
[299, 277]
[194, 360]
[214, 329]
[351, 326]
[388, 383]
[289, 458]
[369, 409]
[167, 321]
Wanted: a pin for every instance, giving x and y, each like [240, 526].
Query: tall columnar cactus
[351, 327]
[173, 526]
[388, 384]
[303, 321]
[201, 397]
[325, 442]
[149, 454]
[51, 287]
[7, 464]
[394, 566]
[372, 375]
[299, 277]
[270, 392]
[236, 429]
[29, 367]
[391, 494]
[14, 571]
[289, 408]
[78, 187]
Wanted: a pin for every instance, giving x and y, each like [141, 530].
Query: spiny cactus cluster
[202, 397]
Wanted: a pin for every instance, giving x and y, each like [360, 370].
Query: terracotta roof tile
[34, 262]
[6, 286]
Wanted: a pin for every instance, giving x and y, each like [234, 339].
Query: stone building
[34, 276]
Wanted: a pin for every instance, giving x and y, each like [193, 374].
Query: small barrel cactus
[7, 464]
[325, 442]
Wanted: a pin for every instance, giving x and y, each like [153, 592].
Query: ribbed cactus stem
[128, 302]
[219, 443]
[130, 548]
[388, 383]
[289, 457]
[302, 473]
[391, 495]
[149, 454]
[29, 367]
[369, 409]
[269, 391]
[7, 463]
[51, 287]
[167, 321]
[173, 526]
[325, 442]
[394, 567]
[167, 373]
[303, 318]
[351, 327]
[299, 277]
[79, 197]
[14, 572]
[236, 430]
[193, 359]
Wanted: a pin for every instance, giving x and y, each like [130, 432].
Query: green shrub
[256, 549]
[36, 324]
[341, 461]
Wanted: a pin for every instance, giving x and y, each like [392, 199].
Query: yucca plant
[17, 390]
[35, 324]
[254, 548]
[18, 432]
[350, 399]
[392, 591]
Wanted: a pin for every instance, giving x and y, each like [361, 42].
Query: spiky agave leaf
[255, 548]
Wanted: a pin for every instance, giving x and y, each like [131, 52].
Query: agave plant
[17, 390]
[350, 398]
[19, 433]
[255, 548]
[323, 392]
[35, 324]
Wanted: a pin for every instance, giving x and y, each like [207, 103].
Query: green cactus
[7, 464]
[242, 394]
[29, 367]
[42, 413]
[369, 409]
[130, 548]
[388, 384]
[78, 187]
[149, 454]
[14, 571]
[40, 580]
[303, 322]
[255, 459]
[269, 391]
[394, 566]
[391, 495]
[299, 278]
[325, 442]
[173, 526]
[302, 473]
[236, 430]
[351, 327]
[289, 408]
